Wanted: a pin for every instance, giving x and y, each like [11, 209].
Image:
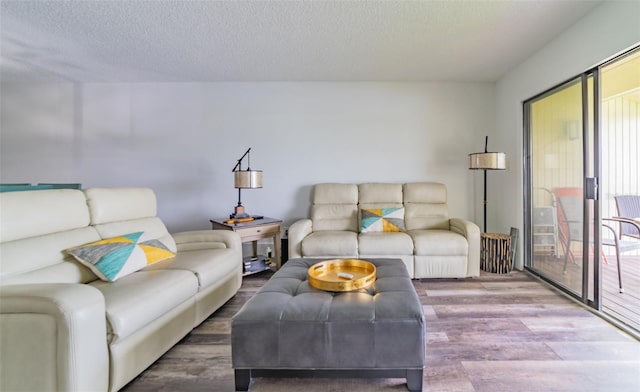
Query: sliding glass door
[582, 142]
[620, 140]
[561, 170]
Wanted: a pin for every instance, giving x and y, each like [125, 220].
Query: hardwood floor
[493, 333]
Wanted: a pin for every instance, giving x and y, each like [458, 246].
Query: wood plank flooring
[493, 333]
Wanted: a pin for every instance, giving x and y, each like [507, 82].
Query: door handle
[591, 191]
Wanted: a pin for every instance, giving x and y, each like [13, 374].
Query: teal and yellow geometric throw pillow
[112, 258]
[377, 220]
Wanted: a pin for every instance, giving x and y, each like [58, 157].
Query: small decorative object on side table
[251, 231]
[495, 253]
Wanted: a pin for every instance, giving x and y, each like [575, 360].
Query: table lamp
[487, 161]
[244, 179]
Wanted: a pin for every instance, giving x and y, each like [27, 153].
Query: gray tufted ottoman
[289, 329]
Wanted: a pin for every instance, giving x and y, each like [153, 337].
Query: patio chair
[570, 228]
[620, 245]
[569, 209]
[628, 209]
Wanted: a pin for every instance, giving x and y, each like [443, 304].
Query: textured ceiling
[138, 41]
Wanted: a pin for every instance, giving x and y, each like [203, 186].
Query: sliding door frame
[596, 301]
[592, 292]
[591, 227]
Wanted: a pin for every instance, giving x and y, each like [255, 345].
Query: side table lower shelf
[255, 264]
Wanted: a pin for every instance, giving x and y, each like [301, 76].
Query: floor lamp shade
[488, 161]
[248, 179]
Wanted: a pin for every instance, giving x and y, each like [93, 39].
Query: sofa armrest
[53, 337]
[471, 232]
[208, 239]
[297, 232]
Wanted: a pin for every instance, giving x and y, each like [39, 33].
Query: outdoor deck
[626, 306]
[623, 306]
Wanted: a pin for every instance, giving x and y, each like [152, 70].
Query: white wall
[183, 139]
[604, 32]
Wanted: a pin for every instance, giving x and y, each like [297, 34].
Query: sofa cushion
[386, 220]
[138, 299]
[34, 213]
[118, 204]
[426, 206]
[371, 194]
[153, 228]
[330, 243]
[335, 194]
[379, 196]
[380, 244]
[200, 263]
[335, 217]
[335, 207]
[113, 258]
[118, 211]
[439, 242]
[42, 259]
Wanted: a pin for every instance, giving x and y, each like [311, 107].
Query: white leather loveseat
[62, 328]
[430, 243]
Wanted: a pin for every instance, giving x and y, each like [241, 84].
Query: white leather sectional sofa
[432, 245]
[62, 328]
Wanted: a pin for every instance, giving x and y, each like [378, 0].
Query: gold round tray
[342, 274]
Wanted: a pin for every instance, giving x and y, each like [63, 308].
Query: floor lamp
[487, 161]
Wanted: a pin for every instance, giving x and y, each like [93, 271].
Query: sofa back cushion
[426, 206]
[379, 196]
[34, 213]
[120, 211]
[35, 229]
[375, 195]
[335, 207]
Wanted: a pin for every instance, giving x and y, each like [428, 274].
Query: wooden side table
[495, 253]
[253, 231]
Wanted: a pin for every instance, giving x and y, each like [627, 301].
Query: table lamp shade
[487, 161]
[248, 179]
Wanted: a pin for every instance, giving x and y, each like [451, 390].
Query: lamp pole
[484, 201]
